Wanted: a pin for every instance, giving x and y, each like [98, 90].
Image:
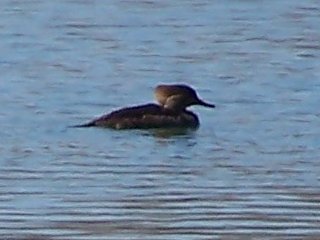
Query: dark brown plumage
[171, 113]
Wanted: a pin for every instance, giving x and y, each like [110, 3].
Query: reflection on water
[172, 133]
[251, 170]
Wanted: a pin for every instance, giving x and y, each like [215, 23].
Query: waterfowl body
[171, 111]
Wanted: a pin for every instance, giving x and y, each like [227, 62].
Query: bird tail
[89, 124]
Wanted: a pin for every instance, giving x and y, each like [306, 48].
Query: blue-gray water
[252, 169]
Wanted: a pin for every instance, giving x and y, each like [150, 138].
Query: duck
[170, 111]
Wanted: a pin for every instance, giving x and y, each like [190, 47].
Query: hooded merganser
[171, 111]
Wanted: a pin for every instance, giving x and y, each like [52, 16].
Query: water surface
[251, 171]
